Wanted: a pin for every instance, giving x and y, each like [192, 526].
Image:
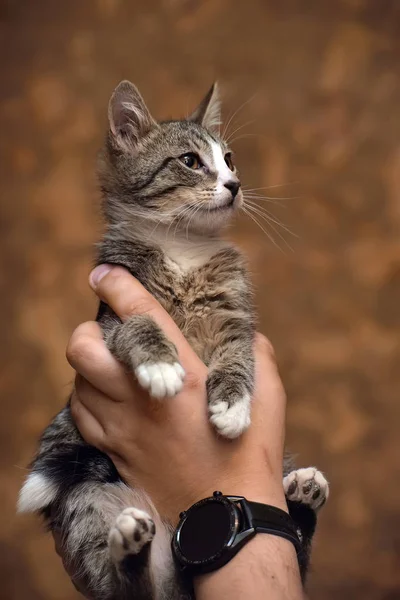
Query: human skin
[169, 448]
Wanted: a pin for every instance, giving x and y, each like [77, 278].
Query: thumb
[127, 297]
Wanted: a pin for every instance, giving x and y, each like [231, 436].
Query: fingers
[89, 424]
[90, 357]
[127, 297]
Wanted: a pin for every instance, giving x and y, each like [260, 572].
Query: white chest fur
[183, 255]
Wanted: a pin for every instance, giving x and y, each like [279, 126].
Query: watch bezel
[239, 531]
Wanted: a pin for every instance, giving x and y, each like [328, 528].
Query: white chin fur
[36, 493]
[211, 221]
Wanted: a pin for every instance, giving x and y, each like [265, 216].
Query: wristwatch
[212, 531]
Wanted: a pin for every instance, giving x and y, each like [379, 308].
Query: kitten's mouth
[227, 205]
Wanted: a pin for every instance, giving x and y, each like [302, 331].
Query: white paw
[161, 379]
[230, 419]
[133, 529]
[307, 486]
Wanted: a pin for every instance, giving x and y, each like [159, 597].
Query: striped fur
[164, 220]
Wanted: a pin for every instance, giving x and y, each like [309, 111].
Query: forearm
[265, 568]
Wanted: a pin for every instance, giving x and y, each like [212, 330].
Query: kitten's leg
[111, 554]
[78, 491]
[231, 379]
[306, 492]
[142, 346]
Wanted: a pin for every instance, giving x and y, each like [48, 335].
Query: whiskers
[252, 197]
[265, 220]
[254, 192]
[230, 139]
[164, 223]
[232, 117]
[186, 212]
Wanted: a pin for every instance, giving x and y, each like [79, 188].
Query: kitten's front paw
[161, 379]
[230, 418]
[133, 529]
[307, 486]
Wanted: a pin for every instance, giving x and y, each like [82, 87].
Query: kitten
[168, 191]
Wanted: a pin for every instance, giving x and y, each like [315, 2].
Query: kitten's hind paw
[133, 529]
[161, 379]
[307, 486]
[230, 419]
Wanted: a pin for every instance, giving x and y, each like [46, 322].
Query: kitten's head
[180, 173]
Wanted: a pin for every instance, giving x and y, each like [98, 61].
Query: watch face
[207, 530]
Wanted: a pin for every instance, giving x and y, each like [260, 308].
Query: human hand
[168, 447]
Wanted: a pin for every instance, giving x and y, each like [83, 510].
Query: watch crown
[216, 494]
[182, 515]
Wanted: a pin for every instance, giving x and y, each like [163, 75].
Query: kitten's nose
[233, 186]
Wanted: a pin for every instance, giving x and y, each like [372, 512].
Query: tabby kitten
[168, 191]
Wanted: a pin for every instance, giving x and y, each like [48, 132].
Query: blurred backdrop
[319, 129]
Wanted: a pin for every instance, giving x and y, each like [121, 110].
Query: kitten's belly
[200, 302]
[201, 331]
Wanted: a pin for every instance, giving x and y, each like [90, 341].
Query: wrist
[266, 562]
[218, 530]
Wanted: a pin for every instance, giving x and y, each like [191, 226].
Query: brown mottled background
[326, 128]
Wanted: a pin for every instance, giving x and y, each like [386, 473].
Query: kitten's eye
[229, 161]
[191, 160]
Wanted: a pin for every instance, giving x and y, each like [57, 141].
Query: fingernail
[97, 274]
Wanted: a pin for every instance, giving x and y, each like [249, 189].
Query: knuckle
[111, 438]
[80, 348]
[95, 437]
[125, 294]
[141, 305]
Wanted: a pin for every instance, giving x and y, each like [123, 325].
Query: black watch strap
[199, 549]
[273, 520]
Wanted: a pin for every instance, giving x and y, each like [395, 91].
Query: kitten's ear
[208, 113]
[129, 116]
